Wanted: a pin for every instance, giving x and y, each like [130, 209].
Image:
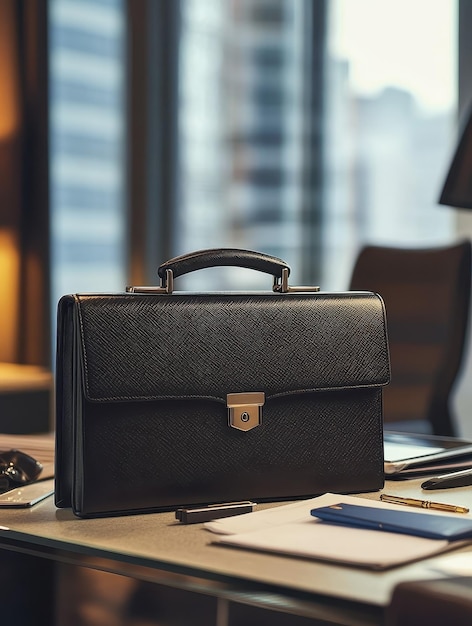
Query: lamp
[457, 188]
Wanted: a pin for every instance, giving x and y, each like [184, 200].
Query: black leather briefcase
[167, 399]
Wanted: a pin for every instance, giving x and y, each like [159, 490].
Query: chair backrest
[426, 294]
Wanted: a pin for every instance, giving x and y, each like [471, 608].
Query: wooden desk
[154, 547]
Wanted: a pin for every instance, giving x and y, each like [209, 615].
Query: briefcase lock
[245, 410]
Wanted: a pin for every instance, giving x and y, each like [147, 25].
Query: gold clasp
[245, 409]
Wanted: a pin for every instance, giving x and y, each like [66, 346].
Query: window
[303, 128]
[248, 145]
[390, 117]
[245, 131]
[87, 128]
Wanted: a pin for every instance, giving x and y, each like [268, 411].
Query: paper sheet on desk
[291, 530]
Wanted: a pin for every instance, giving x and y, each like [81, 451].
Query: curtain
[24, 203]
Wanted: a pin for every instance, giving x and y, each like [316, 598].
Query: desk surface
[156, 547]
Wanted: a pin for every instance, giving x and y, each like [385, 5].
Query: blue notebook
[404, 522]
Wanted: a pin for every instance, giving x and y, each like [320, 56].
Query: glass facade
[87, 129]
[241, 132]
[388, 118]
[391, 102]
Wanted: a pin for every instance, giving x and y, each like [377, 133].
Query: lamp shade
[457, 189]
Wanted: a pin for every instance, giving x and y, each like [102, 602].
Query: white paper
[267, 518]
[459, 564]
[401, 451]
[291, 529]
[294, 512]
[327, 542]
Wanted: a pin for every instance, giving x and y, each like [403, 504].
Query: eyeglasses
[17, 469]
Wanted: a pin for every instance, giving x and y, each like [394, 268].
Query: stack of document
[410, 455]
[292, 530]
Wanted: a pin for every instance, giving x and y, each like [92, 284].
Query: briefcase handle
[217, 257]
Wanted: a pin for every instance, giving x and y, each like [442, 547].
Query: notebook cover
[405, 522]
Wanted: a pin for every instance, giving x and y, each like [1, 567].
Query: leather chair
[431, 602]
[426, 293]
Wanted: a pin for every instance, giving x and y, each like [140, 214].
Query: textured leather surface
[223, 257]
[142, 347]
[142, 384]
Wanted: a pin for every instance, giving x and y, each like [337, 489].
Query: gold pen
[424, 504]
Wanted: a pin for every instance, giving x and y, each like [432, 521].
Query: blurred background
[137, 130]
[297, 128]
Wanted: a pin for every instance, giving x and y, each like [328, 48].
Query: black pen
[213, 511]
[463, 478]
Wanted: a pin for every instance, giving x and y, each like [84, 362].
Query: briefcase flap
[204, 346]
